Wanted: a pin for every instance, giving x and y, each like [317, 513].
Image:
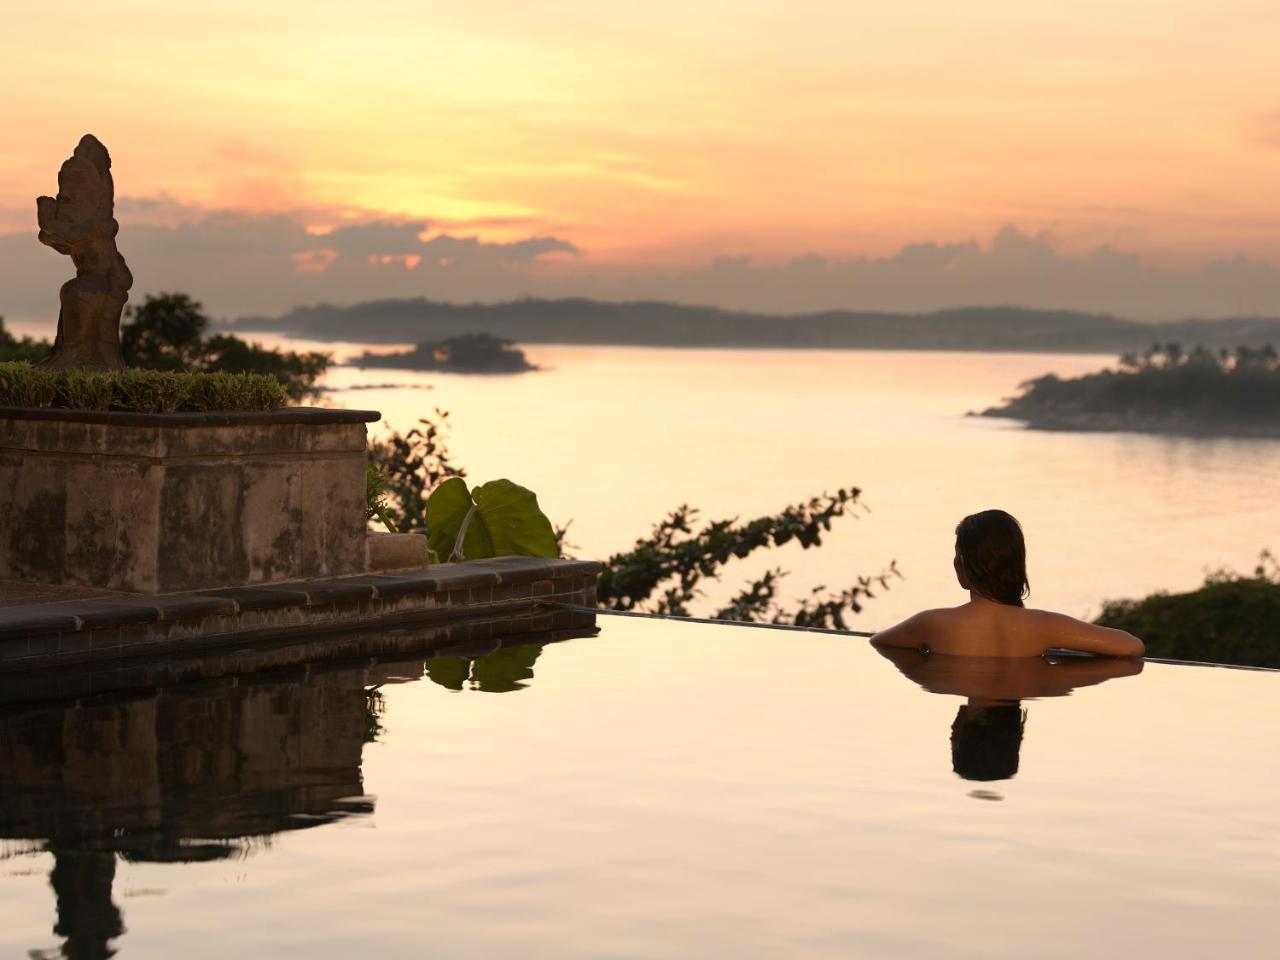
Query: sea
[612, 439]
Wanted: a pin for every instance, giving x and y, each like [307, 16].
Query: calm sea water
[613, 438]
[662, 790]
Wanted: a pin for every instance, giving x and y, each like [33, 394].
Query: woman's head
[991, 557]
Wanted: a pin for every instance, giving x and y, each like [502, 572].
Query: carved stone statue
[80, 222]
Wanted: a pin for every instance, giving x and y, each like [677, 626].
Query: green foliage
[22, 385]
[1232, 618]
[164, 332]
[675, 559]
[496, 519]
[412, 464]
[297, 372]
[661, 573]
[167, 332]
[758, 601]
[1166, 384]
[27, 348]
[235, 391]
[140, 391]
[152, 390]
[375, 496]
[85, 390]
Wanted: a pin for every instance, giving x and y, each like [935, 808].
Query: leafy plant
[758, 601]
[375, 496]
[152, 391]
[1232, 618]
[85, 390]
[11, 348]
[411, 465]
[22, 385]
[661, 573]
[136, 390]
[496, 519]
[168, 332]
[164, 332]
[678, 556]
[236, 391]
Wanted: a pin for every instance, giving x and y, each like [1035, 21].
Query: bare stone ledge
[38, 635]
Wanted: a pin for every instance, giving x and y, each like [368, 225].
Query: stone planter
[167, 502]
[395, 551]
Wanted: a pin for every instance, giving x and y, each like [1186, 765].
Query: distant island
[1163, 390]
[465, 353]
[655, 323]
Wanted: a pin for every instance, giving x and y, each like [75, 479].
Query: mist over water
[613, 438]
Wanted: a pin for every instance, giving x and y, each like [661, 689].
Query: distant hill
[654, 323]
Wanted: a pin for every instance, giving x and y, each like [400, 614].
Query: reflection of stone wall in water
[141, 776]
[146, 777]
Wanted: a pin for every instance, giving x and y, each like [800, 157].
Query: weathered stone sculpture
[80, 222]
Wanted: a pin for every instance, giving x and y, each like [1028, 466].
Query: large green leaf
[496, 519]
[447, 508]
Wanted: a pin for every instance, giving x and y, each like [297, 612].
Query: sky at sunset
[786, 155]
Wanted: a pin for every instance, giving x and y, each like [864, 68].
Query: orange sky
[673, 132]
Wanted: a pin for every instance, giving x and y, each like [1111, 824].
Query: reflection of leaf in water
[449, 672]
[503, 670]
[499, 672]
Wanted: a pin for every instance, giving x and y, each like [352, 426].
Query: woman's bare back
[985, 628]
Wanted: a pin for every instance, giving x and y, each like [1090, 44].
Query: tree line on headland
[1164, 389]
[653, 323]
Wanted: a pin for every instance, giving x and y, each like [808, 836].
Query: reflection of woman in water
[991, 563]
[986, 735]
[986, 740]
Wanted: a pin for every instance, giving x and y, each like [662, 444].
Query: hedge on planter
[138, 391]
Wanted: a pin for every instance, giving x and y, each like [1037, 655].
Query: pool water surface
[660, 790]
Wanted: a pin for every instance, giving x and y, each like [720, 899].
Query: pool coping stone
[37, 635]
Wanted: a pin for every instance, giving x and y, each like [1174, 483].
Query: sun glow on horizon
[679, 132]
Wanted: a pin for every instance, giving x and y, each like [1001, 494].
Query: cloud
[238, 263]
[1014, 268]
[379, 238]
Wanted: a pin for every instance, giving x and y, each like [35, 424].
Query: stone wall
[167, 502]
[112, 629]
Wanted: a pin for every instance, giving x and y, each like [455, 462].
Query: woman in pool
[991, 563]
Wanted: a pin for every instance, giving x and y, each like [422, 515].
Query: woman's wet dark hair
[993, 555]
[985, 743]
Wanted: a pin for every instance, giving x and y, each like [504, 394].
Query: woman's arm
[1072, 634]
[912, 632]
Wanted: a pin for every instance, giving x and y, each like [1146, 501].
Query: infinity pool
[659, 790]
